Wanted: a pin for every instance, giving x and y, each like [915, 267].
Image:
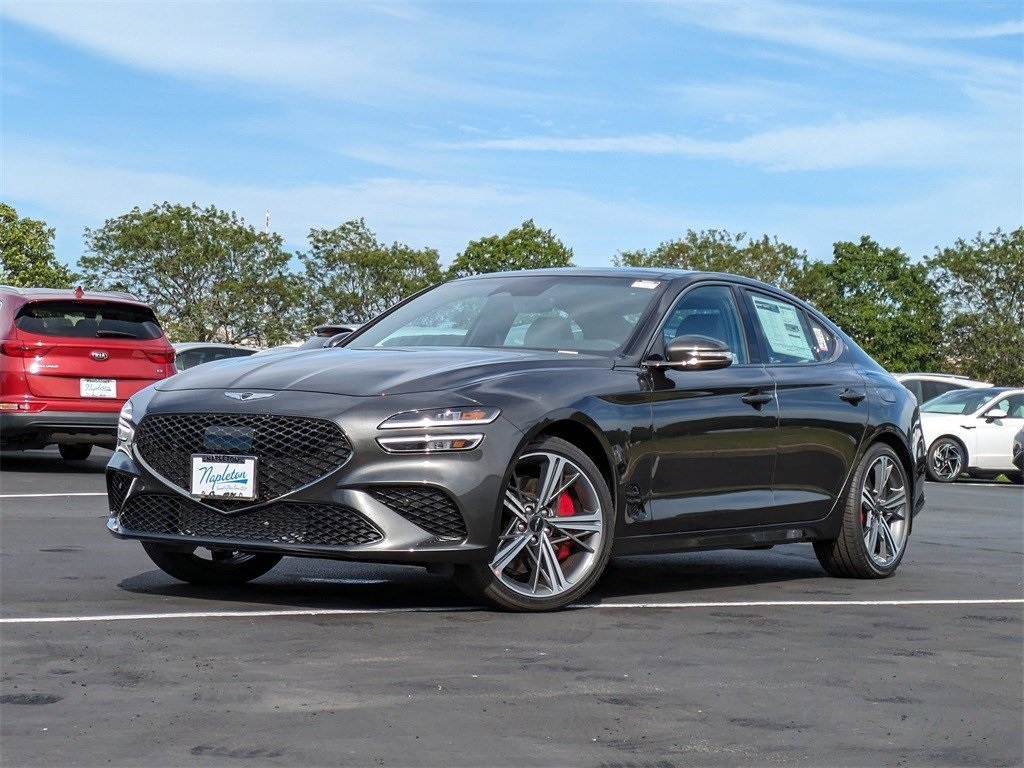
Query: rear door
[823, 407]
[92, 354]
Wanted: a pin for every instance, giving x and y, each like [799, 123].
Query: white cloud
[883, 142]
[861, 38]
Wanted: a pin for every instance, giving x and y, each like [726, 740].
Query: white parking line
[425, 609]
[46, 495]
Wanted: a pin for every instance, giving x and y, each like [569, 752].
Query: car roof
[637, 273]
[69, 293]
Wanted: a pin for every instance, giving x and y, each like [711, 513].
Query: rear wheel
[210, 567]
[555, 532]
[876, 520]
[74, 452]
[946, 460]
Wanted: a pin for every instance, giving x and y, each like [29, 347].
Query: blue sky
[616, 125]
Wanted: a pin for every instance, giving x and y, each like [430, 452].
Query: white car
[928, 386]
[972, 430]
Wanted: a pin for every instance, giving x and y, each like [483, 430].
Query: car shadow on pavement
[49, 462]
[703, 576]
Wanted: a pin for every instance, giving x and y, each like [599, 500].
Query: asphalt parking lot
[722, 658]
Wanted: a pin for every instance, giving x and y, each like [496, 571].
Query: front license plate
[232, 477]
[97, 387]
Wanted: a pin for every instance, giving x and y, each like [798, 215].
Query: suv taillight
[20, 349]
[161, 356]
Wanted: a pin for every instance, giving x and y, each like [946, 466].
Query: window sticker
[782, 329]
[648, 284]
[819, 336]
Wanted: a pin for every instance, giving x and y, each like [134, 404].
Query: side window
[784, 331]
[914, 385]
[708, 311]
[1012, 405]
[935, 388]
[824, 339]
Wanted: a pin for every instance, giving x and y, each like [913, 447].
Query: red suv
[68, 361]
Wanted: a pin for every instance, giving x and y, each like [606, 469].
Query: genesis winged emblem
[246, 396]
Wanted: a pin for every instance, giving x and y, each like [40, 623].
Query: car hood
[369, 372]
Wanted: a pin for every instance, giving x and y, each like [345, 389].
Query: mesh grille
[118, 484]
[286, 523]
[293, 451]
[430, 508]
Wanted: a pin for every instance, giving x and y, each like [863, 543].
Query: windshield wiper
[116, 334]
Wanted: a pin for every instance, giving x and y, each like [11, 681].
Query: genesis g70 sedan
[516, 430]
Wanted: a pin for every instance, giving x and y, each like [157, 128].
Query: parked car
[971, 430]
[193, 353]
[690, 411]
[928, 386]
[68, 362]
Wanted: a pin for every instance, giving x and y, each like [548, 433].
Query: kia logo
[100, 356]
[245, 396]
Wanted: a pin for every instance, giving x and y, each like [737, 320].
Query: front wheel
[946, 460]
[555, 532]
[876, 520]
[210, 567]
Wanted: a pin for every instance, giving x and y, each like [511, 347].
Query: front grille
[118, 484]
[292, 451]
[285, 523]
[430, 508]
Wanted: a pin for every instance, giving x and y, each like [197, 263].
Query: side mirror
[336, 339]
[998, 413]
[695, 353]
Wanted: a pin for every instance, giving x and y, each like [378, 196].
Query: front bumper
[48, 427]
[358, 496]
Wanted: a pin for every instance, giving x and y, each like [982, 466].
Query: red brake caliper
[565, 509]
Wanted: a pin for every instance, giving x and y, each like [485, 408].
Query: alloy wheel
[885, 510]
[947, 461]
[552, 525]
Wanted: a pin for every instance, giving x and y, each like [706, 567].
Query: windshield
[88, 320]
[562, 312]
[960, 401]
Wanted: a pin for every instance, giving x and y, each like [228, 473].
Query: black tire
[951, 445]
[74, 452]
[1015, 477]
[237, 568]
[482, 585]
[847, 556]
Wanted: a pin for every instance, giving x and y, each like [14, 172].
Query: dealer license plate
[231, 477]
[97, 387]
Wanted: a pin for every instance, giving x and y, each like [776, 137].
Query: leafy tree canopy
[881, 300]
[715, 250]
[524, 247]
[26, 253]
[982, 287]
[208, 274]
[351, 276]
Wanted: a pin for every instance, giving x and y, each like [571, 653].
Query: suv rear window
[88, 320]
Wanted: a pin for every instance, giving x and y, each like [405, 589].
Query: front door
[994, 437]
[714, 431]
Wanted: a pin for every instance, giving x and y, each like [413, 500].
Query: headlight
[441, 417]
[125, 429]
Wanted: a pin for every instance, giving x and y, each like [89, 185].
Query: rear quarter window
[88, 320]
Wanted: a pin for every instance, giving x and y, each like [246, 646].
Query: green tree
[880, 299]
[351, 276]
[26, 253]
[715, 250]
[982, 287]
[208, 274]
[524, 247]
